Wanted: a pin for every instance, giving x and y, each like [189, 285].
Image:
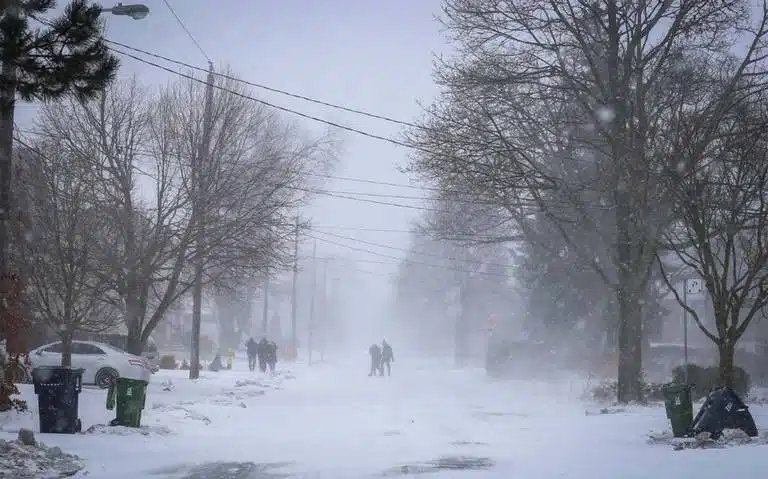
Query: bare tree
[722, 232]
[64, 287]
[538, 84]
[137, 185]
[255, 175]
[145, 149]
[246, 187]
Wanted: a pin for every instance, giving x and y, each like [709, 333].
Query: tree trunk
[66, 349]
[134, 344]
[727, 350]
[7, 109]
[136, 310]
[630, 346]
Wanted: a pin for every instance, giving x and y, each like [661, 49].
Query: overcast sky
[370, 55]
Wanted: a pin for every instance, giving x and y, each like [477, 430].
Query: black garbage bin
[58, 390]
[723, 409]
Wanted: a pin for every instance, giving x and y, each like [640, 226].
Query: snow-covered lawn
[333, 421]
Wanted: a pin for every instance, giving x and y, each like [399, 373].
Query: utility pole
[311, 325]
[324, 326]
[265, 314]
[294, 346]
[200, 189]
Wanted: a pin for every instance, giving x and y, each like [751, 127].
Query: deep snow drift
[331, 420]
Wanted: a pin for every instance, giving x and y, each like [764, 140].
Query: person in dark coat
[216, 363]
[375, 353]
[252, 348]
[387, 357]
[263, 350]
[272, 356]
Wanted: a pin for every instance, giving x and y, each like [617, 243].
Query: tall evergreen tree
[66, 56]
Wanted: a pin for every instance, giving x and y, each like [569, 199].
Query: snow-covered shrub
[607, 390]
[706, 379]
[653, 391]
[168, 361]
[698, 376]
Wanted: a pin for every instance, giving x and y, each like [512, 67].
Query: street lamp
[136, 11]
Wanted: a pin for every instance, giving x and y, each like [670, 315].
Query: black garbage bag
[723, 409]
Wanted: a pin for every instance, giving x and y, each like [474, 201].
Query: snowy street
[333, 421]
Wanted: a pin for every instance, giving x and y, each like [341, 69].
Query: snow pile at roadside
[182, 410]
[29, 459]
[729, 438]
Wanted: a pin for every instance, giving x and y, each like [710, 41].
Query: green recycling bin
[679, 406]
[130, 396]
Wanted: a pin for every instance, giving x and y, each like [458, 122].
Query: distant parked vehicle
[102, 363]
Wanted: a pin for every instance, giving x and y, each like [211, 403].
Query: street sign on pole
[692, 286]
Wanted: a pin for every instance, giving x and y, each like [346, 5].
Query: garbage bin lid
[59, 368]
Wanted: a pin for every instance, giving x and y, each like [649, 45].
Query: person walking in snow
[375, 353]
[272, 356]
[387, 357]
[262, 351]
[252, 348]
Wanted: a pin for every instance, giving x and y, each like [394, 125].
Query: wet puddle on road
[226, 470]
[445, 463]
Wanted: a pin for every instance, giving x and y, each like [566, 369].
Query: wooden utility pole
[293, 287]
[324, 325]
[311, 325]
[200, 189]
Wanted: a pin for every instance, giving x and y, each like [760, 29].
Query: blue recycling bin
[58, 390]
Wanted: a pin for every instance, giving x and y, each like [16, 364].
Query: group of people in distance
[265, 352]
[381, 356]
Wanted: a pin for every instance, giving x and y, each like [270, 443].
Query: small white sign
[693, 286]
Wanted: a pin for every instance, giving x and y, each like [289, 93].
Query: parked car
[102, 363]
[119, 341]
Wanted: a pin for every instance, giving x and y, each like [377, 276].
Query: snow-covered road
[333, 421]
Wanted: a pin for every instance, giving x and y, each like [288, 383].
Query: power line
[36, 151]
[531, 203]
[39, 153]
[354, 195]
[354, 180]
[353, 228]
[451, 192]
[276, 107]
[384, 230]
[466, 237]
[270, 89]
[433, 255]
[384, 183]
[408, 261]
[365, 200]
[186, 30]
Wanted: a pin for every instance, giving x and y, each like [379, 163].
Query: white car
[102, 363]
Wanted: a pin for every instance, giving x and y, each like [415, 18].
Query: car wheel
[105, 377]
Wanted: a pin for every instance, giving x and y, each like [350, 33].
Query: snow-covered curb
[729, 438]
